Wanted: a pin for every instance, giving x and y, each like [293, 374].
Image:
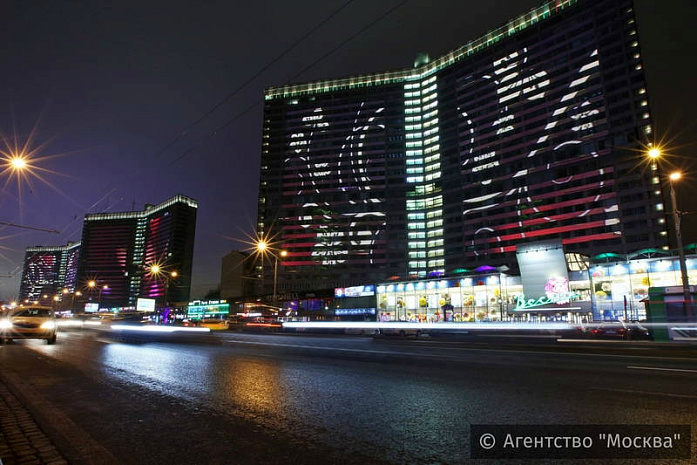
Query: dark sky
[109, 91]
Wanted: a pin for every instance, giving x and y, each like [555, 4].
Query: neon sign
[558, 298]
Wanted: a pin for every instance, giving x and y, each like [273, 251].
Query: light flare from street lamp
[675, 176]
[18, 163]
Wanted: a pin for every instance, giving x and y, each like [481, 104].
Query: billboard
[91, 307]
[145, 305]
[355, 291]
[544, 274]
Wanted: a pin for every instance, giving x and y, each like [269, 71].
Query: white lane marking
[463, 349]
[644, 393]
[340, 349]
[682, 370]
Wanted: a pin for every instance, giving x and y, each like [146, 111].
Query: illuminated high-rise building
[533, 132]
[134, 254]
[49, 271]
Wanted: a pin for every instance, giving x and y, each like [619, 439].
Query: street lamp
[673, 178]
[172, 275]
[103, 288]
[91, 285]
[281, 254]
[655, 153]
[157, 272]
[263, 248]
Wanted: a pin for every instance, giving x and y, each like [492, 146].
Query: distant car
[214, 324]
[127, 319]
[28, 323]
[403, 333]
[621, 330]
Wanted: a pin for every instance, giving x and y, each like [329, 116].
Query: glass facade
[533, 132]
[48, 271]
[614, 287]
[119, 249]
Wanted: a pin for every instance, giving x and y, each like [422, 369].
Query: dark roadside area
[56, 413]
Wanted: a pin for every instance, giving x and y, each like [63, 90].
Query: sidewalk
[21, 439]
[33, 431]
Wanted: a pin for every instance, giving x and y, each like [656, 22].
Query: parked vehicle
[620, 330]
[214, 324]
[403, 333]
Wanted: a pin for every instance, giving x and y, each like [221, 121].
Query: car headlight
[48, 325]
[5, 324]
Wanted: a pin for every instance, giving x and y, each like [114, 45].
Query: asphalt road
[243, 398]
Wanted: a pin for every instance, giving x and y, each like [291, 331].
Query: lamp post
[99, 298]
[281, 254]
[262, 248]
[675, 176]
[655, 153]
[91, 285]
[172, 275]
[157, 272]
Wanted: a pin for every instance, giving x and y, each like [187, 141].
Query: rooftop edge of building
[510, 28]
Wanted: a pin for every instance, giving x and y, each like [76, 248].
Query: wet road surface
[274, 398]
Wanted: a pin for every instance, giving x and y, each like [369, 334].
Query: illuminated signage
[91, 308]
[559, 298]
[354, 311]
[145, 305]
[356, 291]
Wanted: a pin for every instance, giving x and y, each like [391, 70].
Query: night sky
[111, 97]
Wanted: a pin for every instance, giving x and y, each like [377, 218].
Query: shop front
[621, 285]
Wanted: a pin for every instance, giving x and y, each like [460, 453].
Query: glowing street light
[655, 154]
[18, 163]
[674, 177]
[263, 248]
[158, 272]
[91, 285]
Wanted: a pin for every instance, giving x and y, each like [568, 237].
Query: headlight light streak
[159, 329]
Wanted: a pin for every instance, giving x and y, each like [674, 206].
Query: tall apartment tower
[49, 271]
[120, 251]
[533, 132]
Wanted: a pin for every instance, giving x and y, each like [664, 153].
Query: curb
[76, 445]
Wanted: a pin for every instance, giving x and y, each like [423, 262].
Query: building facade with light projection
[49, 272]
[146, 254]
[534, 132]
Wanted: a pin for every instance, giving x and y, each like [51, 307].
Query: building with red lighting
[49, 272]
[134, 254]
[534, 132]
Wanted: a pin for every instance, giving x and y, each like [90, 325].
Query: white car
[28, 323]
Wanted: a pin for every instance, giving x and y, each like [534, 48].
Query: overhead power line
[311, 65]
[35, 228]
[252, 78]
